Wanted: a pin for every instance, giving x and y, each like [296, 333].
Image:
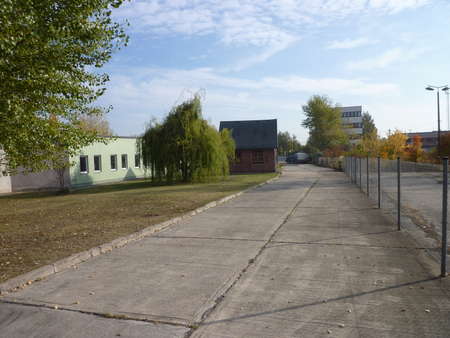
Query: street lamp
[438, 88]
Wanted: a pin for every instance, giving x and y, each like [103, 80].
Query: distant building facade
[256, 145]
[351, 118]
[98, 163]
[429, 138]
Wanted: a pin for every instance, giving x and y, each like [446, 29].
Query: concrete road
[303, 256]
[421, 198]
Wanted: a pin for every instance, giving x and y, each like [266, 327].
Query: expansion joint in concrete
[211, 238]
[354, 245]
[251, 261]
[99, 314]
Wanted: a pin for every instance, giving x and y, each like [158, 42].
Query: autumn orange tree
[414, 152]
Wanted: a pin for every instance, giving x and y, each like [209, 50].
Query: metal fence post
[379, 181]
[346, 165]
[356, 170]
[349, 167]
[367, 169]
[360, 173]
[398, 192]
[444, 217]
[351, 171]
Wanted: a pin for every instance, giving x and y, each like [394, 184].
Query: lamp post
[438, 88]
[448, 110]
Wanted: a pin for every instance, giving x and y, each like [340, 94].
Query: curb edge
[19, 282]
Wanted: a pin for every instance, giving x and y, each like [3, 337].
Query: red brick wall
[245, 163]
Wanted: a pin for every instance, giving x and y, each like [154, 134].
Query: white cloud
[247, 20]
[395, 6]
[350, 43]
[377, 62]
[265, 54]
[385, 59]
[163, 85]
[271, 25]
[142, 93]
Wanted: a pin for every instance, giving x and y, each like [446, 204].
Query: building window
[124, 161]
[97, 163]
[258, 156]
[113, 162]
[83, 164]
[137, 160]
[238, 156]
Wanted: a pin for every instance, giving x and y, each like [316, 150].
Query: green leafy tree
[323, 120]
[368, 125]
[287, 143]
[49, 54]
[185, 147]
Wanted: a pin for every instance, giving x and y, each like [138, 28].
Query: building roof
[351, 108]
[253, 134]
[113, 136]
[427, 133]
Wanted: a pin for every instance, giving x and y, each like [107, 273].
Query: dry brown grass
[39, 228]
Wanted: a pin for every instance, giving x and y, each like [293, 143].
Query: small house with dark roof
[256, 145]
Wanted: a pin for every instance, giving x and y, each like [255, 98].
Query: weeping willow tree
[185, 147]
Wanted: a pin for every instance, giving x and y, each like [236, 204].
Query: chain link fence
[412, 194]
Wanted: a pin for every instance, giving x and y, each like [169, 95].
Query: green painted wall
[118, 146]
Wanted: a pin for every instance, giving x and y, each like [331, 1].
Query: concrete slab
[336, 268]
[18, 321]
[376, 236]
[308, 290]
[232, 223]
[173, 279]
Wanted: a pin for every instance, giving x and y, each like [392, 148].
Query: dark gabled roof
[254, 134]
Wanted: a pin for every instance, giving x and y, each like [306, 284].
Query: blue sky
[263, 59]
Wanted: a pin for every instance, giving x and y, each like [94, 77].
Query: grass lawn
[39, 228]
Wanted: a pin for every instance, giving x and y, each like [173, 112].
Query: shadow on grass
[97, 189]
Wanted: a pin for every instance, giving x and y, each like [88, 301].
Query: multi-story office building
[352, 122]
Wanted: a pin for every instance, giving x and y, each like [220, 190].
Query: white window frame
[87, 164]
[110, 157]
[100, 164]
